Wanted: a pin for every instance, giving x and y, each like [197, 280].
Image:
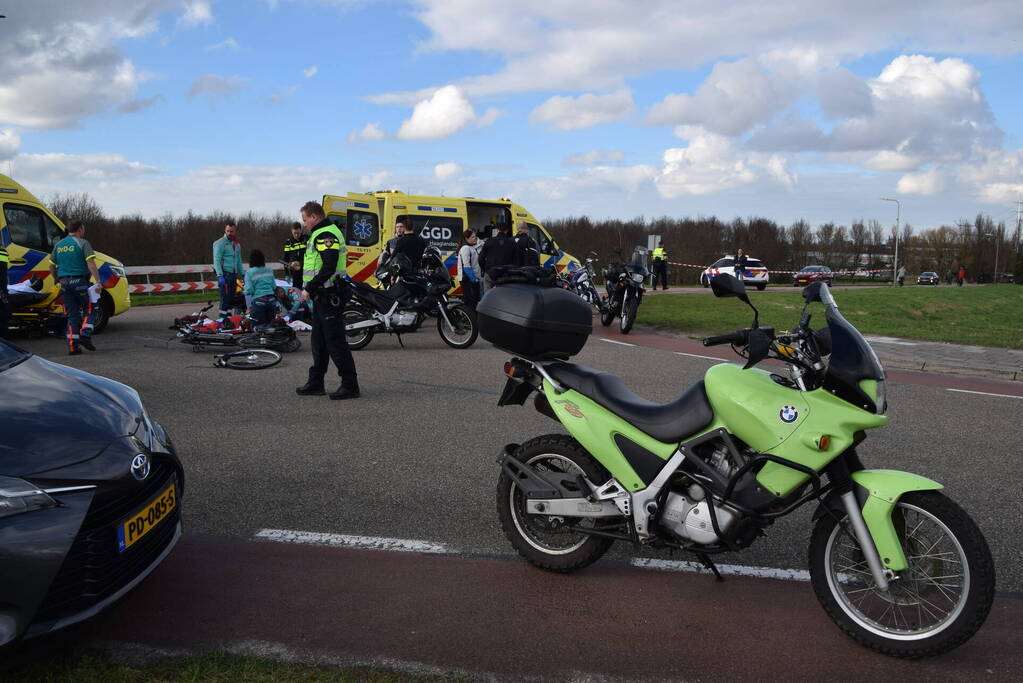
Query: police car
[755, 272]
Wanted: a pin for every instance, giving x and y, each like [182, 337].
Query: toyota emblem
[140, 466]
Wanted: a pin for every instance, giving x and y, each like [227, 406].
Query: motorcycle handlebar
[737, 337]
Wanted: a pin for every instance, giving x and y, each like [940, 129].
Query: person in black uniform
[323, 272]
[410, 244]
[740, 264]
[527, 253]
[499, 250]
[294, 253]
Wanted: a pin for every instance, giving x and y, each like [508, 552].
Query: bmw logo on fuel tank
[140, 466]
[788, 414]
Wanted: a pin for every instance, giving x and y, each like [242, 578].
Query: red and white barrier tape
[158, 287]
[787, 272]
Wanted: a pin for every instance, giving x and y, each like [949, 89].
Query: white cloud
[585, 111]
[216, 87]
[10, 143]
[196, 13]
[310, 72]
[714, 163]
[228, 44]
[445, 113]
[139, 104]
[595, 156]
[371, 131]
[78, 168]
[997, 177]
[931, 181]
[448, 171]
[373, 181]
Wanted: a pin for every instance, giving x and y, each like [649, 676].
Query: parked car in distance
[928, 278]
[755, 273]
[813, 274]
[90, 495]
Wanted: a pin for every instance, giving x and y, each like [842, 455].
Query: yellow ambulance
[28, 230]
[367, 221]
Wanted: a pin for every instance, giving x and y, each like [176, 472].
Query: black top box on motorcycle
[536, 323]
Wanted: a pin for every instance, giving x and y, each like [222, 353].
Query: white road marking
[984, 393]
[730, 569]
[341, 540]
[612, 341]
[696, 355]
[890, 340]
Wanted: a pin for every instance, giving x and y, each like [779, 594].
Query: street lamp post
[994, 276]
[898, 214]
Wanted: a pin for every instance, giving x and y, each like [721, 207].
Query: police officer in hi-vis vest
[71, 263]
[294, 254]
[323, 274]
[660, 266]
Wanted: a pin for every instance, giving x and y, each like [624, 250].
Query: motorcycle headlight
[18, 496]
[638, 277]
[876, 390]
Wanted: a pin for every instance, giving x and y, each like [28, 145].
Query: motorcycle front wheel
[357, 339]
[607, 313]
[933, 606]
[462, 331]
[551, 542]
[629, 310]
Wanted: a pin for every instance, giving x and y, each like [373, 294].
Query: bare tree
[70, 207]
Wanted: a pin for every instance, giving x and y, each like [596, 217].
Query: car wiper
[14, 362]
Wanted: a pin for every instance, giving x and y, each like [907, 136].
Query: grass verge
[212, 667]
[990, 315]
[176, 298]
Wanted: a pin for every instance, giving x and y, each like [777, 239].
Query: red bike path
[505, 618]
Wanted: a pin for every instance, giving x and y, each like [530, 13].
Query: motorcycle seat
[667, 422]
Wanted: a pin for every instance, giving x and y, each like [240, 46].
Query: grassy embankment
[215, 667]
[991, 315]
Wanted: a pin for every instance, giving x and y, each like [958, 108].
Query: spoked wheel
[250, 359]
[357, 339]
[552, 542]
[291, 345]
[462, 331]
[629, 309]
[933, 606]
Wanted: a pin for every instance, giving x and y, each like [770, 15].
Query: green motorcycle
[894, 562]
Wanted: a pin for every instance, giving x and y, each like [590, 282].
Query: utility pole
[898, 214]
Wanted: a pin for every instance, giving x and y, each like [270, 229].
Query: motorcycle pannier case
[535, 322]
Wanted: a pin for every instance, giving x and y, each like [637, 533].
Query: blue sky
[792, 109]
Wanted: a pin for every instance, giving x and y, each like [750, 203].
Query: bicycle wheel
[252, 359]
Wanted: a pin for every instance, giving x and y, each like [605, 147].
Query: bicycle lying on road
[249, 359]
[200, 331]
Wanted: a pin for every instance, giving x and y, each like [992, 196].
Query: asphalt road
[414, 458]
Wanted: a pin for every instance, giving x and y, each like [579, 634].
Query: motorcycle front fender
[879, 491]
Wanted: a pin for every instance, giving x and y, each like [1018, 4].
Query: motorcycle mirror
[812, 292]
[725, 285]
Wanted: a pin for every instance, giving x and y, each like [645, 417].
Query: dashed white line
[696, 355]
[731, 569]
[890, 340]
[984, 393]
[406, 545]
[614, 341]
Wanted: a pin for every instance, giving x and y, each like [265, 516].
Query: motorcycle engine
[687, 515]
[404, 318]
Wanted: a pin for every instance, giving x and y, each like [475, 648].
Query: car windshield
[812, 269]
[852, 359]
[928, 274]
[10, 355]
[753, 263]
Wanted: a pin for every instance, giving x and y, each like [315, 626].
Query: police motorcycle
[624, 284]
[581, 282]
[894, 562]
[408, 300]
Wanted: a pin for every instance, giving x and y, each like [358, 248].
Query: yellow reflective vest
[660, 253]
[328, 237]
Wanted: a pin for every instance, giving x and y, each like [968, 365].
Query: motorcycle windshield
[852, 360]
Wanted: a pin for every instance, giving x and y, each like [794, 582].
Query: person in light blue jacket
[227, 262]
[260, 285]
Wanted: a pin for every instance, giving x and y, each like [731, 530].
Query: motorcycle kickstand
[709, 564]
[400, 342]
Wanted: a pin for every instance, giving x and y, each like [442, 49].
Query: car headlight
[17, 496]
[638, 277]
[118, 270]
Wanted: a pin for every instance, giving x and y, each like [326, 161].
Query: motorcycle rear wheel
[462, 332]
[629, 309]
[549, 541]
[360, 338]
[934, 606]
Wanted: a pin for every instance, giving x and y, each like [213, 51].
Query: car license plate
[146, 519]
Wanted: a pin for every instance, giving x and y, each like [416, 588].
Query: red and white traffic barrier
[162, 287]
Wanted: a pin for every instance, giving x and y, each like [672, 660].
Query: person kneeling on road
[259, 285]
[324, 282]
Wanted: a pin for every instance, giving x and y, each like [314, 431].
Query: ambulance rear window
[362, 229]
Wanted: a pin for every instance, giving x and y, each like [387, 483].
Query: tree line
[860, 246]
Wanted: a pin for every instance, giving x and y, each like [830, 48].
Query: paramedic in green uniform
[72, 262]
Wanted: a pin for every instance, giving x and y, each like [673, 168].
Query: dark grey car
[90, 494]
